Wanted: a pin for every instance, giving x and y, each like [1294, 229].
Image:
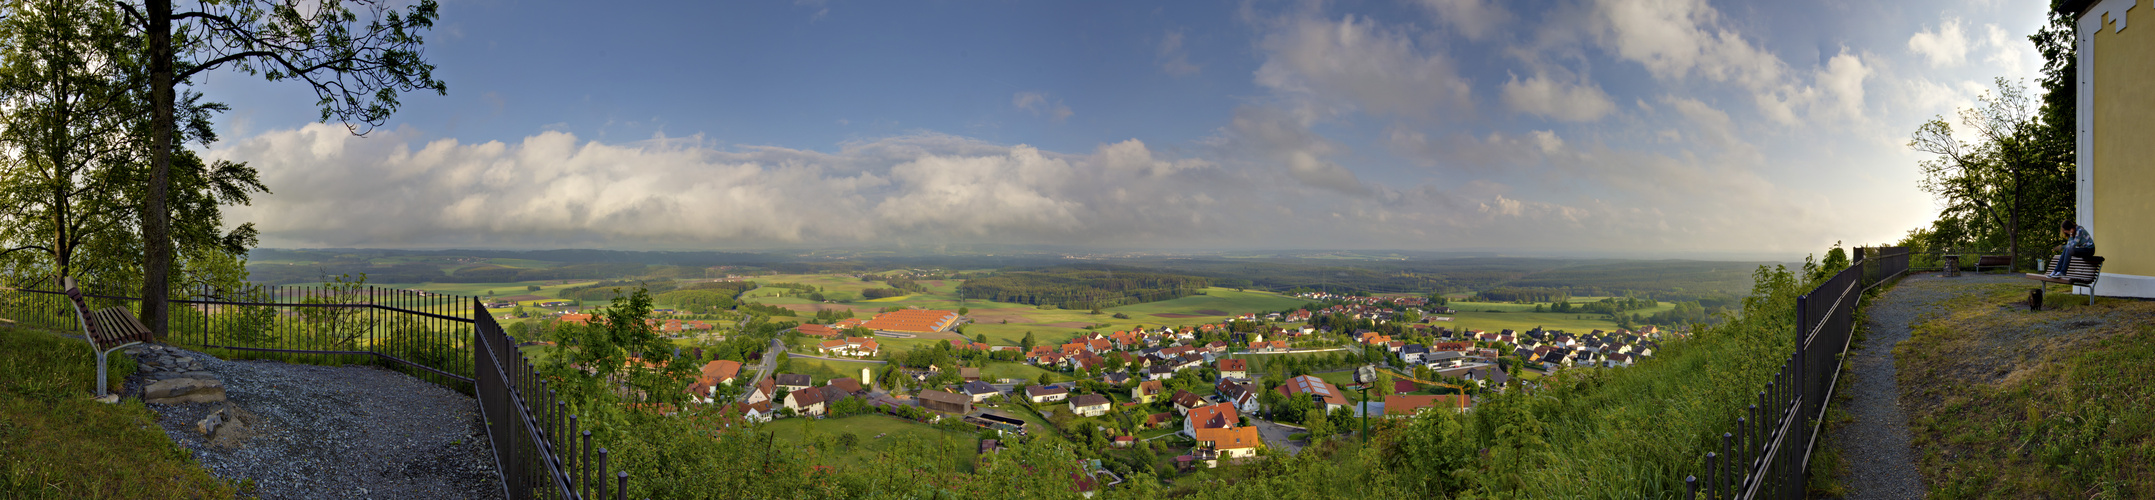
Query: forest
[1075, 288]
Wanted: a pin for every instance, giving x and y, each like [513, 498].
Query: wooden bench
[2083, 272]
[107, 330]
[1993, 261]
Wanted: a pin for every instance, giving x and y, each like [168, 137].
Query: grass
[2008, 403]
[1004, 369]
[55, 442]
[820, 435]
[547, 288]
[824, 370]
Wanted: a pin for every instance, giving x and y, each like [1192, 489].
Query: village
[1205, 394]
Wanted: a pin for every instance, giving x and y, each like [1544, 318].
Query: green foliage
[2013, 185]
[1074, 288]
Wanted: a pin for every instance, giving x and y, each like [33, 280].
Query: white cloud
[554, 189]
[1038, 104]
[1356, 64]
[1944, 46]
[1171, 57]
[1543, 96]
[1675, 39]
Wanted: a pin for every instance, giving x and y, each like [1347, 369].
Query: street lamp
[1366, 375]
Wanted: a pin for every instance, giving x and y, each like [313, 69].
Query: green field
[804, 431]
[1054, 325]
[549, 288]
[823, 370]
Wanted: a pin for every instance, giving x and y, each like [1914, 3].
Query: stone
[229, 426]
[184, 390]
[109, 399]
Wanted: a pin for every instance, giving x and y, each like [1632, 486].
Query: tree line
[1081, 289]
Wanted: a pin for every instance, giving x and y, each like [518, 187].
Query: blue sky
[1626, 126]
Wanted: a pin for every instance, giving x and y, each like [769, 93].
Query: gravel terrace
[1875, 444]
[340, 432]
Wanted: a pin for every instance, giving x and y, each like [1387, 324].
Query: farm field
[548, 289]
[803, 431]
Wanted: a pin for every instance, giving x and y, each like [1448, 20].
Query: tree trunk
[156, 222]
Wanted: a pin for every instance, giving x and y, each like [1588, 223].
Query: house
[1159, 372]
[1125, 441]
[1089, 405]
[2113, 176]
[1046, 394]
[1444, 359]
[1412, 353]
[1241, 394]
[1219, 416]
[805, 402]
[1318, 390]
[793, 381]
[1235, 368]
[1147, 390]
[1401, 405]
[759, 412]
[832, 394]
[1185, 400]
[1235, 442]
[946, 402]
[979, 391]
[764, 391]
[721, 371]
[1117, 378]
[815, 330]
[969, 374]
[1156, 420]
[846, 383]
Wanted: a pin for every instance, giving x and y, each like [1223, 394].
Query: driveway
[1275, 435]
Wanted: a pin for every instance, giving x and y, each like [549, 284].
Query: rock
[184, 390]
[209, 423]
[109, 399]
[229, 426]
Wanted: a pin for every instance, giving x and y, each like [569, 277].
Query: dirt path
[1875, 445]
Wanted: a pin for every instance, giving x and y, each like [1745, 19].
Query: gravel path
[1875, 444]
[340, 432]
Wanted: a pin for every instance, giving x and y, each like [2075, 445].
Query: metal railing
[537, 446]
[538, 451]
[1768, 454]
[418, 333]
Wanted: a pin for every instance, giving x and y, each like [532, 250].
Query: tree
[964, 311]
[1319, 426]
[355, 69]
[2016, 165]
[71, 84]
[1028, 343]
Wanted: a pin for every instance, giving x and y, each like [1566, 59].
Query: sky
[1670, 127]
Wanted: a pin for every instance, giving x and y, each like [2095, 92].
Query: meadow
[877, 435]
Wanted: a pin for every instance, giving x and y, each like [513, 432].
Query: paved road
[770, 362]
[1275, 435]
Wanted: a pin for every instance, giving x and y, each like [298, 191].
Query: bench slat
[117, 326]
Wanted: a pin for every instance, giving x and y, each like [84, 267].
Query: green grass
[1004, 369]
[819, 434]
[2009, 403]
[824, 370]
[55, 442]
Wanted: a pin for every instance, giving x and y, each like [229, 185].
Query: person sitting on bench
[2078, 243]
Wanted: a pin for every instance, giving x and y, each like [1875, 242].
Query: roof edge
[2075, 8]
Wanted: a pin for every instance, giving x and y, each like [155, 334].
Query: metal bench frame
[109, 329]
[2083, 272]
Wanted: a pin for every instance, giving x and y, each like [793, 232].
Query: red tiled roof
[913, 320]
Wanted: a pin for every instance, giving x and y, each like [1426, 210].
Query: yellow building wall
[2124, 145]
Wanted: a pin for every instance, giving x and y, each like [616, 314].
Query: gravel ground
[1875, 445]
[341, 432]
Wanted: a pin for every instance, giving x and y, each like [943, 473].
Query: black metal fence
[419, 333]
[1769, 451]
[537, 446]
[539, 449]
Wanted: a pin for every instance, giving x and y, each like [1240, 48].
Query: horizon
[1578, 127]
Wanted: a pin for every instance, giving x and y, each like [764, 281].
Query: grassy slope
[805, 431]
[57, 443]
[2005, 403]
